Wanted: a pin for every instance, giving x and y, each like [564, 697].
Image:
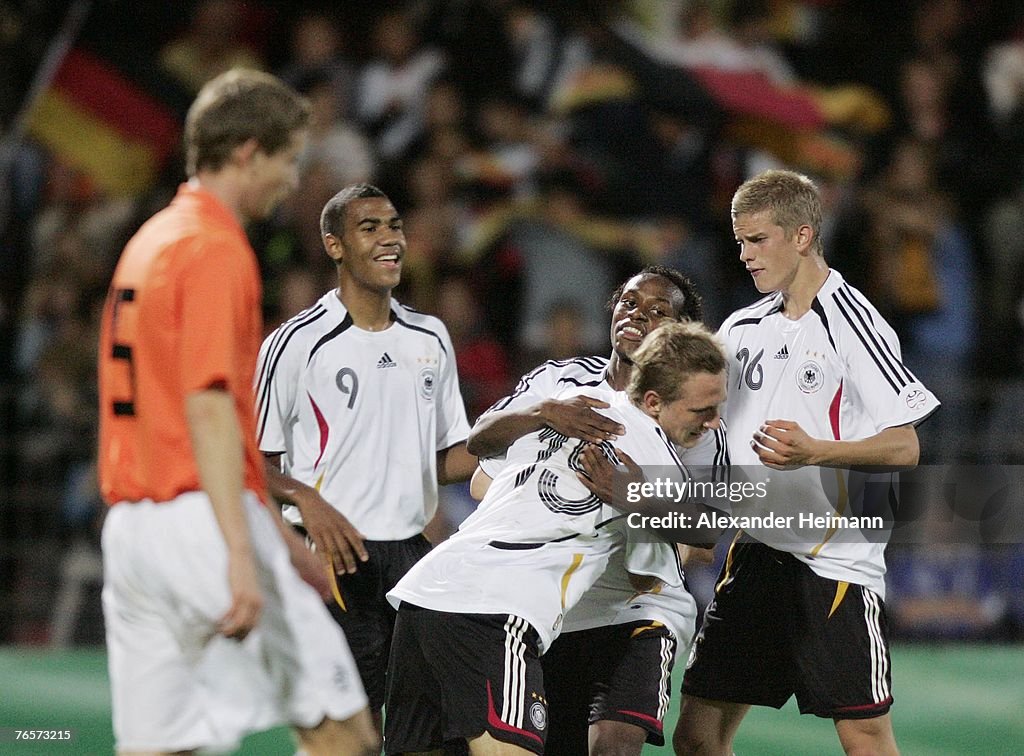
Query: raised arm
[575, 417]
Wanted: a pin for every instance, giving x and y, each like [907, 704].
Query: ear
[243, 154]
[335, 249]
[804, 237]
[652, 403]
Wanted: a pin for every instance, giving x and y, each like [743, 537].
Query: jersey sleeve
[452, 425]
[278, 372]
[537, 385]
[873, 363]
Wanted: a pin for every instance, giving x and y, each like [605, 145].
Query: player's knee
[356, 735]
[616, 739]
[867, 737]
[689, 740]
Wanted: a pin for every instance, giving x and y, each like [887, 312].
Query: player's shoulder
[577, 371]
[845, 308]
[306, 326]
[752, 314]
[419, 322]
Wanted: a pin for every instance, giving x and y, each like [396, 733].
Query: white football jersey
[838, 372]
[613, 600]
[361, 415]
[539, 538]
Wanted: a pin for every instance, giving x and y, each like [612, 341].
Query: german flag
[100, 116]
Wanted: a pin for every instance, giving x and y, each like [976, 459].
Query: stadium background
[540, 152]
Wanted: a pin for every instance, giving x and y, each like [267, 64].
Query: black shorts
[775, 628]
[367, 618]
[620, 673]
[453, 677]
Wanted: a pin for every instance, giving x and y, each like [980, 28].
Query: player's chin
[690, 440]
[626, 348]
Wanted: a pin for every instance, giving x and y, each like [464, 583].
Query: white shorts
[175, 683]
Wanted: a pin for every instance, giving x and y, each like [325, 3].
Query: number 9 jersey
[360, 415]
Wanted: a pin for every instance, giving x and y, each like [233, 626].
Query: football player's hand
[577, 418]
[246, 596]
[606, 481]
[784, 445]
[336, 539]
[306, 563]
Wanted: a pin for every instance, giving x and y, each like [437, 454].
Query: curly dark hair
[693, 304]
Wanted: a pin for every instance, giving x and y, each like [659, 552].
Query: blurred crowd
[540, 152]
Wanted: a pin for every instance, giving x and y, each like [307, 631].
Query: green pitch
[955, 700]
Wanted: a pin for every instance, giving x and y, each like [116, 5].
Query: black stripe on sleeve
[594, 365]
[574, 382]
[850, 295]
[871, 348]
[274, 354]
[521, 388]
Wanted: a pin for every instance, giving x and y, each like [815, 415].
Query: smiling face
[372, 244]
[696, 409]
[647, 301]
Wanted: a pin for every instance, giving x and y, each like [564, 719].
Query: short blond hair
[792, 199]
[669, 355]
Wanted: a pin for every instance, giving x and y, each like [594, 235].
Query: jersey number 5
[752, 374]
[122, 350]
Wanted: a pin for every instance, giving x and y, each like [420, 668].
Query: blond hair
[791, 198]
[669, 355]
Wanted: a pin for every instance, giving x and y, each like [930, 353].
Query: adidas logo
[385, 361]
[782, 354]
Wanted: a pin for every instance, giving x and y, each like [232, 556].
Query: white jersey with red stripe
[838, 372]
[361, 415]
[613, 600]
[539, 538]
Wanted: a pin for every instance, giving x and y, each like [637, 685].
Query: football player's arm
[784, 444]
[337, 540]
[479, 484]
[574, 417]
[218, 450]
[613, 485]
[305, 561]
[455, 464]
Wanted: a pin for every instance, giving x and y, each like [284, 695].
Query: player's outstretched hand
[606, 481]
[246, 597]
[576, 418]
[337, 540]
[783, 445]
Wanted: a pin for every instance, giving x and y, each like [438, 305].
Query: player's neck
[369, 310]
[798, 297]
[617, 373]
[224, 186]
